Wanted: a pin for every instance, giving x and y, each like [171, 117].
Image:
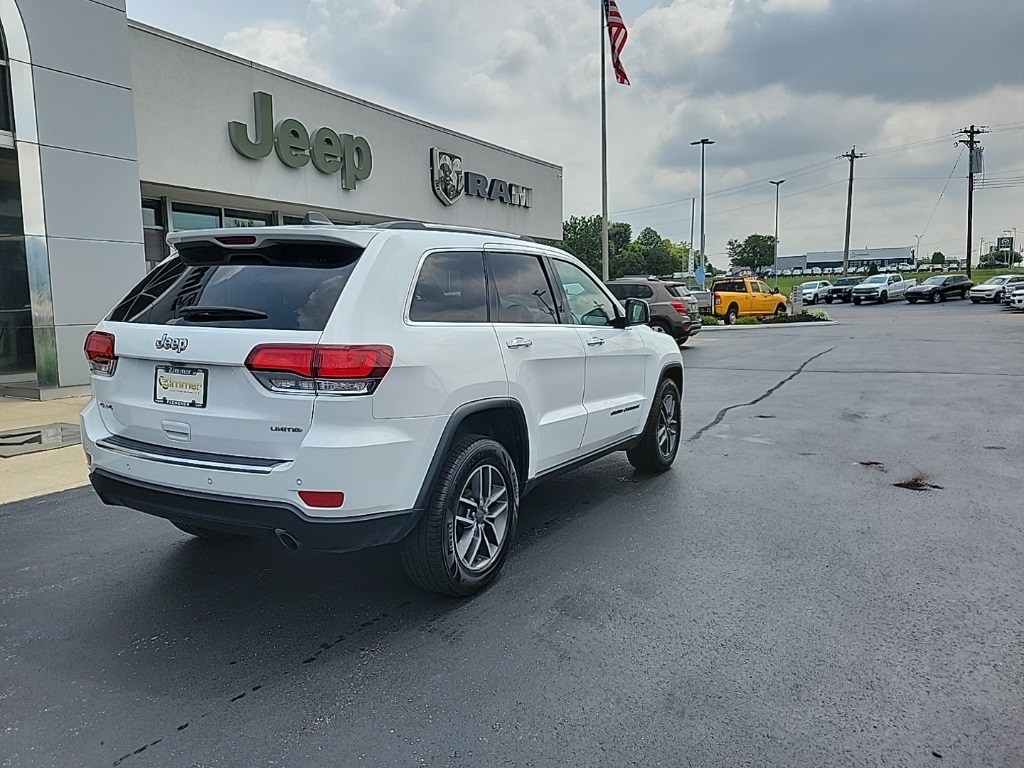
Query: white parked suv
[881, 288]
[344, 387]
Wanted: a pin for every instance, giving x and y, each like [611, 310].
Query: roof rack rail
[427, 227]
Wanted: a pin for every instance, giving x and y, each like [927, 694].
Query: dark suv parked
[940, 288]
[842, 289]
[673, 309]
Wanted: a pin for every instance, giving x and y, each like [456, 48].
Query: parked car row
[861, 269]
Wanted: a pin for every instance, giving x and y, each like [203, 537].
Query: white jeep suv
[344, 387]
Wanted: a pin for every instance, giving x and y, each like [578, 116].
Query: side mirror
[637, 312]
[775, 290]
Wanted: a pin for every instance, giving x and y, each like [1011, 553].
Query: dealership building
[862, 257]
[113, 133]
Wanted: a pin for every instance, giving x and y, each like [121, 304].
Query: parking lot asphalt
[774, 600]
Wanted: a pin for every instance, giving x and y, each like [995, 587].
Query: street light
[917, 250]
[775, 270]
[703, 260]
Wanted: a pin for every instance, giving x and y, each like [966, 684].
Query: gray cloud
[894, 50]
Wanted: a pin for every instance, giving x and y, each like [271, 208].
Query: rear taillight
[324, 369]
[680, 307]
[99, 351]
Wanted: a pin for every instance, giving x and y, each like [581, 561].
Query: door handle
[595, 341]
[518, 342]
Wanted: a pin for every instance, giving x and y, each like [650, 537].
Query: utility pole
[974, 165]
[851, 156]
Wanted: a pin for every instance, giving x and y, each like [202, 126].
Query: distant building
[861, 257]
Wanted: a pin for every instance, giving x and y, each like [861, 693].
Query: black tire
[857, 302]
[207, 533]
[828, 299]
[997, 299]
[660, 326]
[963, 294]
[657, 449]
[429, 553]
[780, 310]
[731, 314]
[884, 298]
[814, 299]
[844, 300]
[933, 297]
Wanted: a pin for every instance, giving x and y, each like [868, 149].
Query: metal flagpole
[604, 156]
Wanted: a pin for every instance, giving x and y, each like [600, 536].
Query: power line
[925, 230]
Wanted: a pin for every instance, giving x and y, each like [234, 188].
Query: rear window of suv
[281, 286]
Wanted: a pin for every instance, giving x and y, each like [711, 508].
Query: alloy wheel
[668, 426]
[481, 520]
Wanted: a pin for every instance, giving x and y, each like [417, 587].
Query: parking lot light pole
[775, 269]
[703, 258]
[917, 251]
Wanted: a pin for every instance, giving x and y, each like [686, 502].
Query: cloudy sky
[782, 86]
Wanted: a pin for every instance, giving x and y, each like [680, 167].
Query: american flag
[617, 36]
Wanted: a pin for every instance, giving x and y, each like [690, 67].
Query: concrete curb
[706, 328]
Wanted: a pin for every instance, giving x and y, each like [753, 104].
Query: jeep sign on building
[169, 135]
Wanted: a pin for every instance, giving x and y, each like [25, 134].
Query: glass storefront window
[233, 218]
[6, 120]
[194, 217]
[17, 348]
[152, 213]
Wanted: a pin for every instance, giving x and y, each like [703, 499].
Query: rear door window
[450, 289]
[524, 294]
[281, 286]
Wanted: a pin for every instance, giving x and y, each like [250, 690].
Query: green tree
[648, 238]
[872, 268]
[680, 253]
[619, 235]
[755, 251]
[660, 261]
[631, 260]
[581, 236]
[938, 258]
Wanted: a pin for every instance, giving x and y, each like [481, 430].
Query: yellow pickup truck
[739, 296]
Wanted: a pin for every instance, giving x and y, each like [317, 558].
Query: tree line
[648, 254]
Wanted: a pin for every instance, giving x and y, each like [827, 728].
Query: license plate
[185, 387]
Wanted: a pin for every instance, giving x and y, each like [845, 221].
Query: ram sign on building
[113, 134]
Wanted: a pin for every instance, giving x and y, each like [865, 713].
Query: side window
[644, 292]
[149, 289]
[450, 289]
[619, 291]
[764, 288]
[755, 287]
[523, 292]
[588, 304]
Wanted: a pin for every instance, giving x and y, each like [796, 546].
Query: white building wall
[186, 94]
[80, 182]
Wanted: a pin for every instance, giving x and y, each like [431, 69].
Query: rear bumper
[254, 517]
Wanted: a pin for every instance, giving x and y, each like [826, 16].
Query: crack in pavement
[721, 414]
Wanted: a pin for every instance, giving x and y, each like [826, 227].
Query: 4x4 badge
[449, 181]
[175, 345]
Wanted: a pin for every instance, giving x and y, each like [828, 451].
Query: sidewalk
[35, 474]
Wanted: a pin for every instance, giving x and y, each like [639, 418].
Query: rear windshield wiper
[221, 313]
